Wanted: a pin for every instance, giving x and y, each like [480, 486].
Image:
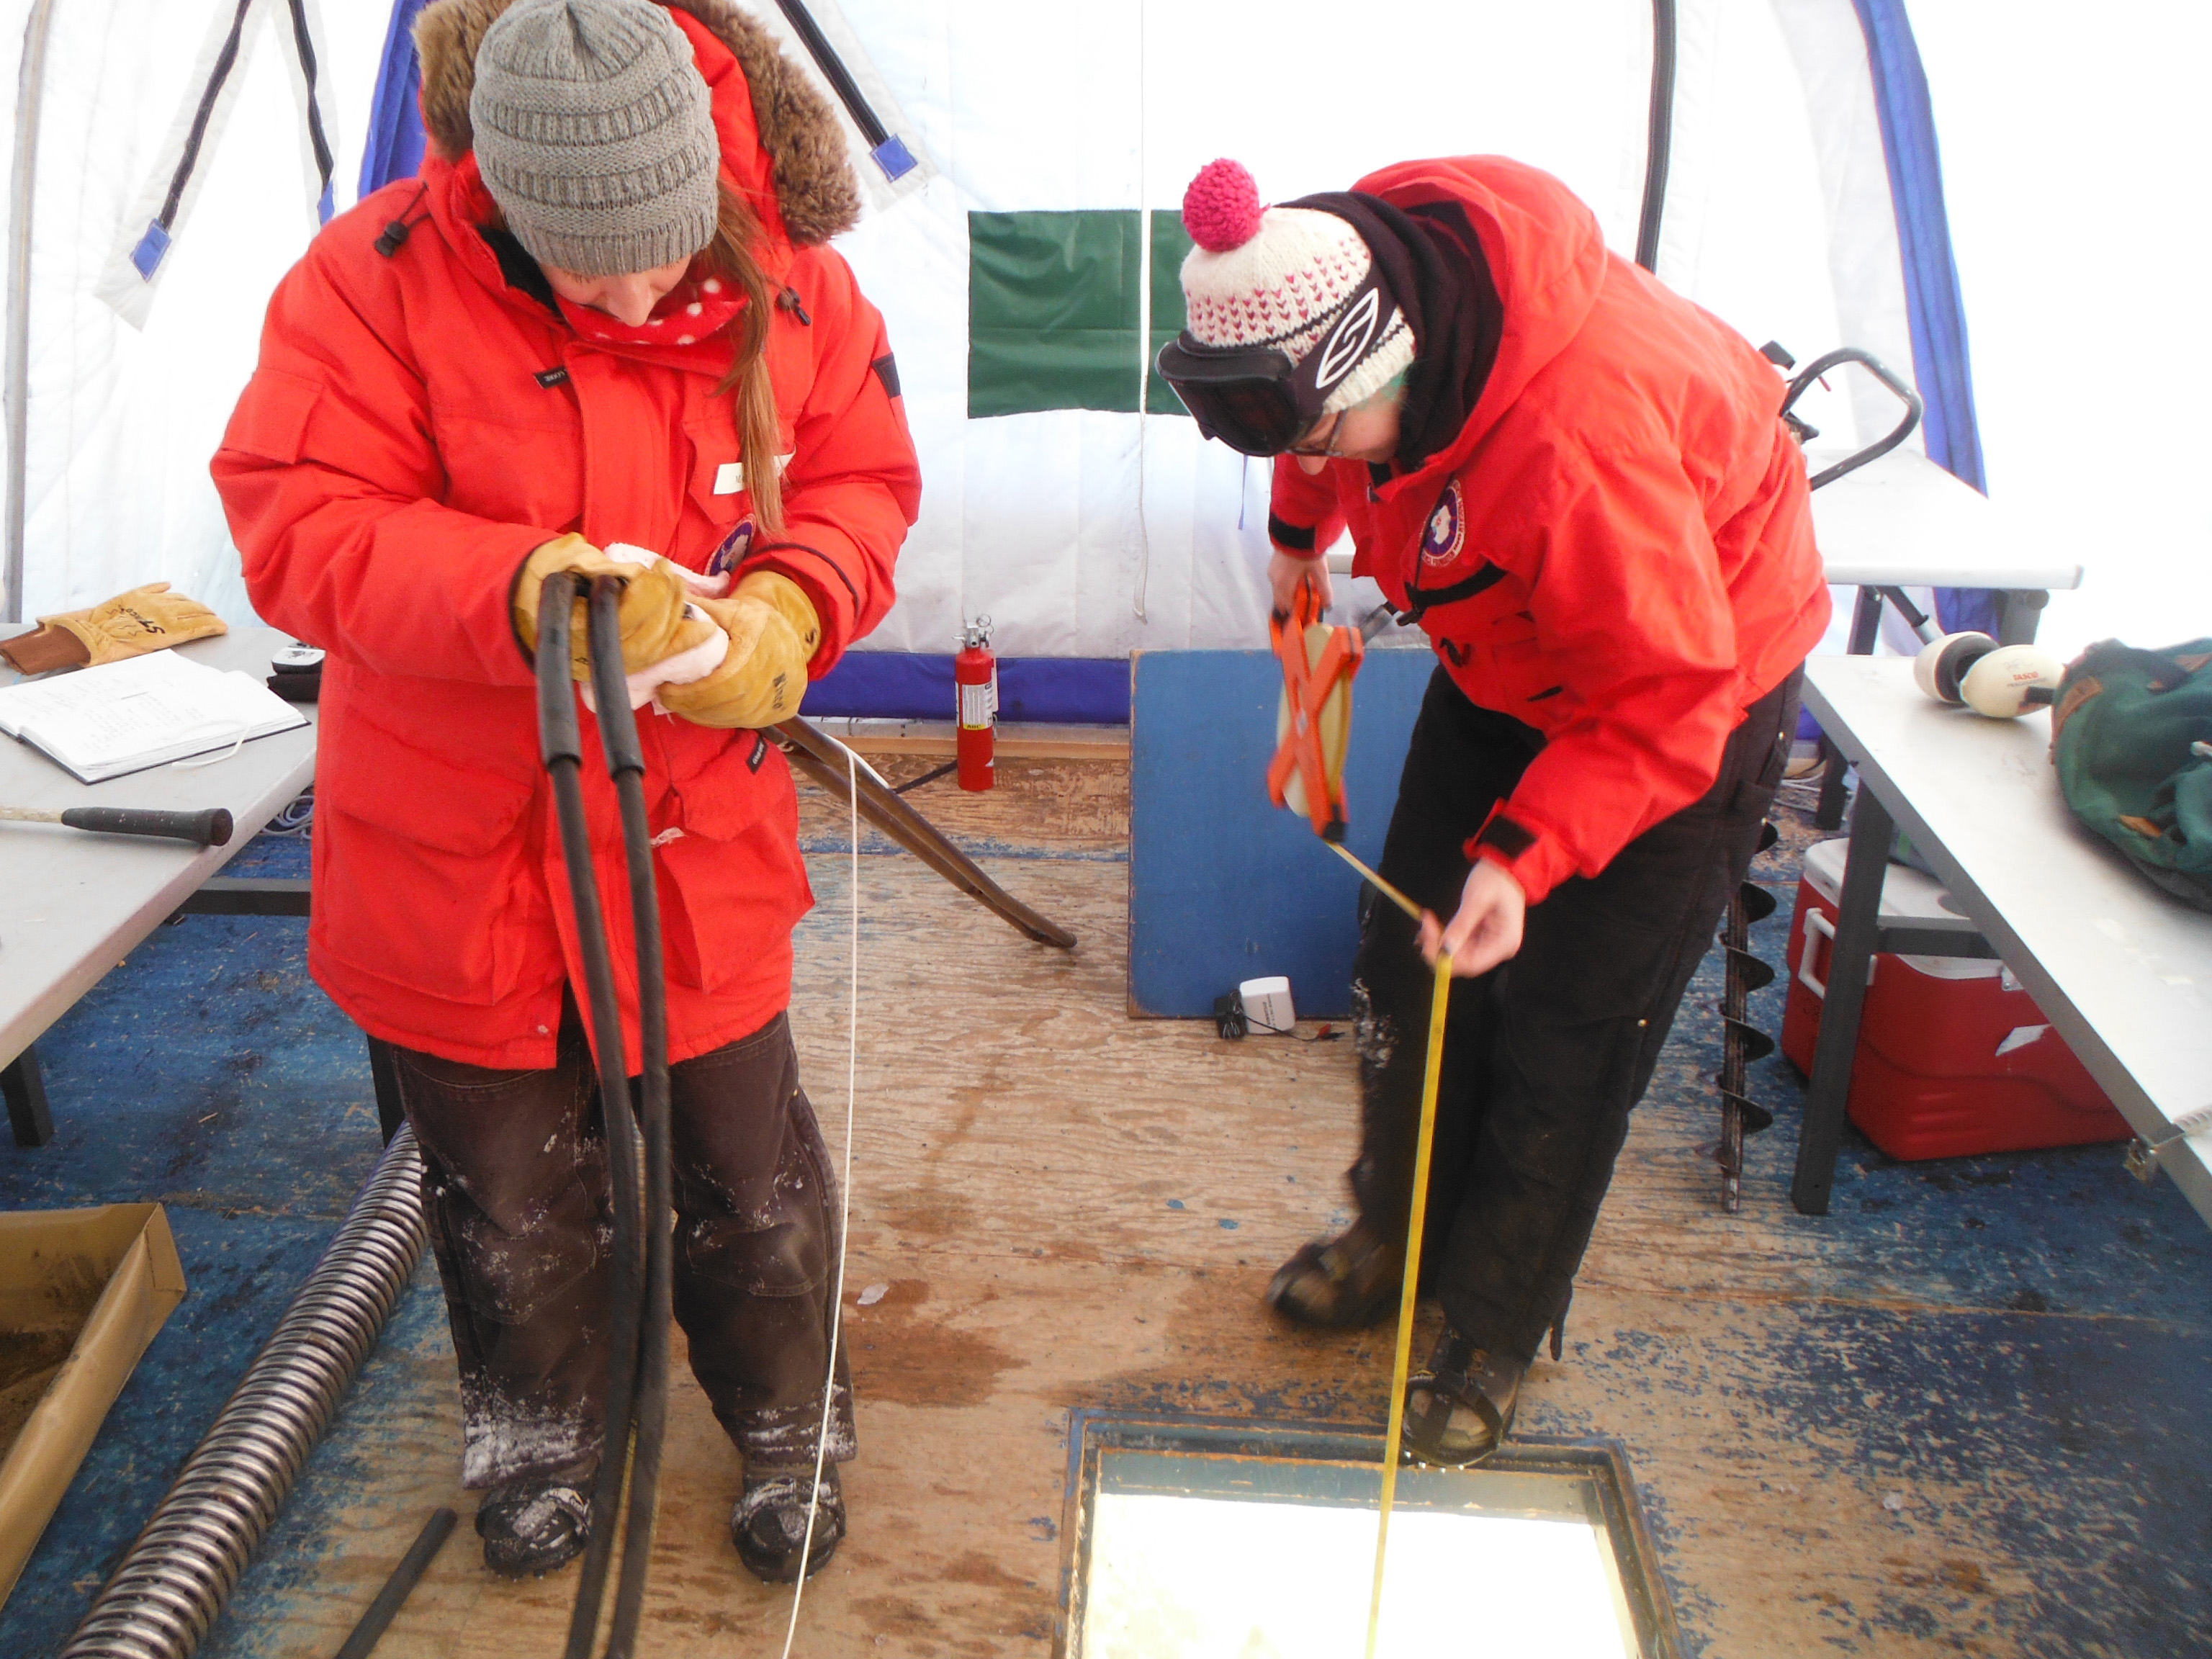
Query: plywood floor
[1964, 1413]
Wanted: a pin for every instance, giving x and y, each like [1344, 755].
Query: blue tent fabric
[1936, 312]
[395, 144]
[905, 686]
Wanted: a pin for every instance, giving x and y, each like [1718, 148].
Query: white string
[1144, 332]
[845, 1198]
[212, 760]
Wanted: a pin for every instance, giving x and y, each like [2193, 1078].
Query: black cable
[562, 745]
[626, 765]
[1659, 144]
[930, 777]
[396, 1589]
[1234, 1021]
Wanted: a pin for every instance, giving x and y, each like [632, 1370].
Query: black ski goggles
[1256, 400]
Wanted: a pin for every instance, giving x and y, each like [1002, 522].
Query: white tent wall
[2074, 157]
[1082, 532]
[121, 421]
[1091, 533]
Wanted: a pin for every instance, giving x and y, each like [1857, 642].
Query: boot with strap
[530, 1527]
[1459, 1410]
[768, 1525]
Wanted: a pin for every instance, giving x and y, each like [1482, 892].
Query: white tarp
[123, 420]
[1090, 533]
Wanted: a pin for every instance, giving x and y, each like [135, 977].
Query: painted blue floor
[210, 1073]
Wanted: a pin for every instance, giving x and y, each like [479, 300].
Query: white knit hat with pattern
[1278, 276]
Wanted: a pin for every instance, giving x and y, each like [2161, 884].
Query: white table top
[73, 905]
[1903, 520]
[2122, 970]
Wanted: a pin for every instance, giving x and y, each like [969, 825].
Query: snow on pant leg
[756, 1238]
[1583, 1010]
[1460, 762]
[514, 1184]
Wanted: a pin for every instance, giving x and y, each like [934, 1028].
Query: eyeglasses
[1320, 441]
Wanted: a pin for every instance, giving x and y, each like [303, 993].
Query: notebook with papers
[147, 711]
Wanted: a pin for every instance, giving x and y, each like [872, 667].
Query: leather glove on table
[773, 633]
[147, 618]
[654, 625]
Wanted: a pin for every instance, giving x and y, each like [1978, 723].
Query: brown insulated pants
[515, 1186]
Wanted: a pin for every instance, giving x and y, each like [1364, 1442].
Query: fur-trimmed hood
[812, 180]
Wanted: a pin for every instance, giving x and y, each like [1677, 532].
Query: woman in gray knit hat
[601, 333]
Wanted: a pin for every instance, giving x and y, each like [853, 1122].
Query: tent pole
[29, 86]
[1660, 143]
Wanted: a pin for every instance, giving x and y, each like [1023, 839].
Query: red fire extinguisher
[975, 678]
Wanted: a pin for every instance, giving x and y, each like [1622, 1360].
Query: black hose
[626, 765]
[1882, 372]
[396, 1589]
[562, 745]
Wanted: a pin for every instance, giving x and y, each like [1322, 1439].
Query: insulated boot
[768, 1525]
[530, 1527]
[1459, 1410]
[1340, 1284]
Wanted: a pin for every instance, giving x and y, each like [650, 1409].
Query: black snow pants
[1545, 1055]
[515, 1185]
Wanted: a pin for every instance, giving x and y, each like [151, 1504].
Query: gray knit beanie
[594, 135]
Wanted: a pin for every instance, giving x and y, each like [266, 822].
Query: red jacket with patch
[414, 428]
[1617, 551]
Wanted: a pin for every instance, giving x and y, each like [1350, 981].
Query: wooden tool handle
[209, 828]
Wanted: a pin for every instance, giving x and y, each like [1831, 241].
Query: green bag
[2131, 736]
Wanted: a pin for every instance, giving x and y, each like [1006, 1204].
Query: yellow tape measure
[1401, 1365]
[1439, 1004]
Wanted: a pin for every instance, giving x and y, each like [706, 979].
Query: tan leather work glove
[773, 633]
[147, 618]
[653, 626]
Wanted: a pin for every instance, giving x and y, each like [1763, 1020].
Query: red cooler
[1954, 1058]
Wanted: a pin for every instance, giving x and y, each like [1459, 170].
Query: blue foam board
[1224, 885]
[918, 686]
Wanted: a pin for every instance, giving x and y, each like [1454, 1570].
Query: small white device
[1267, 1005]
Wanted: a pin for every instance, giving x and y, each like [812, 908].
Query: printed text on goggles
[1256, 400]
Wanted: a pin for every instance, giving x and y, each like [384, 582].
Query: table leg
[1858, 921]
[2019, 612]
[1866, 625]
[25, 1087]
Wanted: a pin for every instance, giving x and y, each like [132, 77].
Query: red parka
[414, 428]
[1620, 543]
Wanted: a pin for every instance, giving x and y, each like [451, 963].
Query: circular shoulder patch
[1447, 528]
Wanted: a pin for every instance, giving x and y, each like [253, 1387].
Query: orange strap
[1307, 686]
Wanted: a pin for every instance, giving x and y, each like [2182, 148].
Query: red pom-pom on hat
[1221, 209]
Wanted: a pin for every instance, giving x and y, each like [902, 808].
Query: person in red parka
[601, 333]
[1580, 486]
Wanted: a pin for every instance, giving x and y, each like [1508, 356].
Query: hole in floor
[1208, 1538]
